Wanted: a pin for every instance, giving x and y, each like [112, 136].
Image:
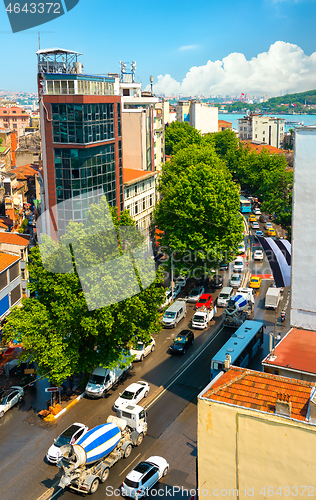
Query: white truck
[239, 308]
[202, 317]
[273, 297]
[87, 464]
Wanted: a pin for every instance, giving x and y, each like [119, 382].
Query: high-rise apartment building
[263, 129]
[81, 131]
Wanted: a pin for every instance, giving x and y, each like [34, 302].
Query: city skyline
[233, 47]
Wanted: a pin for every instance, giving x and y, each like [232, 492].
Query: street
[172, 427]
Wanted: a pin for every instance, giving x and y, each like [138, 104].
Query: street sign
[52, 389]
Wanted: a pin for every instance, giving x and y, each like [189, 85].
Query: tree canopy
[198, 212]
[180, 135]
[77, 319]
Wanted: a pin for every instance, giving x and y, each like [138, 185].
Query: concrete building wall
[245, 450]
[303, 304]
[204, 117]
[134, 138]
[268, 129]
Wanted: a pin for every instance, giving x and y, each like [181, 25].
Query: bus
[241, 347]
[245, 205]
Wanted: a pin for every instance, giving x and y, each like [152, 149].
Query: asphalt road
[175, 383]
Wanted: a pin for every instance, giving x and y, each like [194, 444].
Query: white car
[10, 397]
[238, 265]
[140, 350]
[196, 293]
[268, 225]
[255, 225]
[181, 280]
[257, 211]
[241, 247]
[144, 476]
[258, 255]
[235, 280]
[70, 436]
[132, 394]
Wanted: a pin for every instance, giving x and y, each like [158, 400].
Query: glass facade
[79, 173]
[83, 123]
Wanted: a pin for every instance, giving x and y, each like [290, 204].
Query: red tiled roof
[259, 391]
[297, 350]
[224, 123]
[260, 147]
[24, 171]
[14, 239]
[7, 260]
[132, 174]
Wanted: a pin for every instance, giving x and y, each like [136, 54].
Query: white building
[263, 129]
[303, 304]
[204, 117]
[140, 197]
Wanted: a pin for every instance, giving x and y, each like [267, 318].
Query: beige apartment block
[262, 129]
[256, 436]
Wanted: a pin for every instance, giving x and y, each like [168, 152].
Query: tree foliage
[180, 135]
[63, 330]
[198, 212]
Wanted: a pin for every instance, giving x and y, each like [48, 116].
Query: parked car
[252, 218]
[217, 281]
[176, 291]
[144, 476]
[235, 280]
[196, 293]
[140, 350]
[255, 282]
[181, 281]
[255, 225]
[175, 313]
[238, 265]
[268, 225]
[258, 233]
[10, 397]
[182, 341]
[70, 436]
[257, 211]
[132, 394]
[258, 255]
[205, 300]
[241, 248]
[264, 218]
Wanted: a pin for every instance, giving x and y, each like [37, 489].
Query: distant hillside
[308, 97]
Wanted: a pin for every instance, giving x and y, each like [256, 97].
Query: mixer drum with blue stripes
[100, 441]
[237, 303]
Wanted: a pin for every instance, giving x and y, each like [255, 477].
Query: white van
[175, 313]
[224, 296]
[238, 265]
[102, 379]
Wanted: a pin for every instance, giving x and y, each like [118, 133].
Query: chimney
[283, 405]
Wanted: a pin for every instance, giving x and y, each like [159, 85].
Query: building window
[255, 136]
[23, 274]
[136, 207]
[144, 204]
[15, 294]
[127, 192]
[15, 125]
[3, 280]
[14, 271]
[151, 200]
[263, 132]
[135, 188]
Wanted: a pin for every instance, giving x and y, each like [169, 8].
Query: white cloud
[283, 68]
[188, 47]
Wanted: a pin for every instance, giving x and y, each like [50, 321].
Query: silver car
[235, 280]
[10, 397]
[195, 294]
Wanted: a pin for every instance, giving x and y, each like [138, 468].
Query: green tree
[179, 135]
[198, 212]
[223, 142]
[63, 330]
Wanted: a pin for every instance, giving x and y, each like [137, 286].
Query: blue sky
[172, 39]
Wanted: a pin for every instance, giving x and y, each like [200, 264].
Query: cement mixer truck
[87, 464]
[239, 308]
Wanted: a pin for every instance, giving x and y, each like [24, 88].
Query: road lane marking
[184, 368]
[129, 464]
[47, 493]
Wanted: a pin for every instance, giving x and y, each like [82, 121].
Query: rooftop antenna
[151, 78]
